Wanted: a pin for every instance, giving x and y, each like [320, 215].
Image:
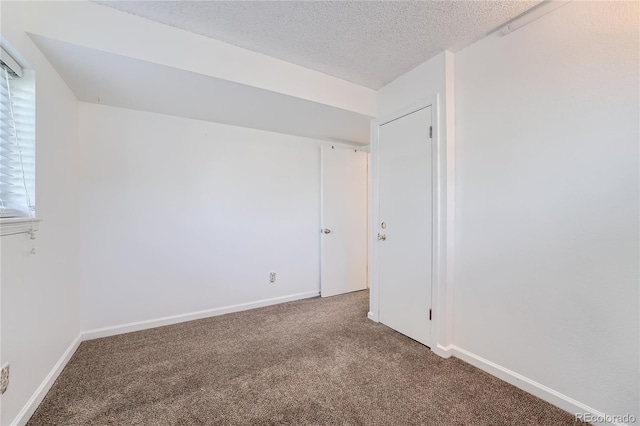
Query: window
[17, 140]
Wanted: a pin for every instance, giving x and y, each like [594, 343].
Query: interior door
[344, 220]
[405, 228]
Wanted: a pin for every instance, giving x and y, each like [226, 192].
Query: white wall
[546, 279]
[180, 215]
[39, 293]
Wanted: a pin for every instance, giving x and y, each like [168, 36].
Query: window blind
[17, 145]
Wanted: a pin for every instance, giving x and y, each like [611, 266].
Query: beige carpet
[316, 361]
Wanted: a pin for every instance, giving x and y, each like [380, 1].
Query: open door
[344, 220]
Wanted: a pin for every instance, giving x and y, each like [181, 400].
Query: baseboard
[175, 319]
[541, 391]
[32, 404]
[443, 351]
[372, 316]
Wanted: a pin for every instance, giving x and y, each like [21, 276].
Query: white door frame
[439, 295]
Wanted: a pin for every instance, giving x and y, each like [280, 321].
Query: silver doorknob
[326, 231]
[382, 237]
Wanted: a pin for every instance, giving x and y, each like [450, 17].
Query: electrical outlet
[272, 277]
[4, 378]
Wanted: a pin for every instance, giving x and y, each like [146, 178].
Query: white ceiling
[368, 43]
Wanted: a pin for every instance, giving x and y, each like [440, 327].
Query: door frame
[439, 293]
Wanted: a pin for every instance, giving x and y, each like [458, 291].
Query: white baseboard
[541, 391]
[443, 351]
[32, 404]
[372, 316]
[175, 319]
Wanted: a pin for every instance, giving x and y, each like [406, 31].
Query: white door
[405, 203]
[344, 220]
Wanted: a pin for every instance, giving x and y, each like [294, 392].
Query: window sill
[18, 225]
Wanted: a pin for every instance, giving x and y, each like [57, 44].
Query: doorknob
[326, 231]
[382, 237]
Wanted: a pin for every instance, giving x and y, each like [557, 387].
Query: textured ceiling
[368, 43]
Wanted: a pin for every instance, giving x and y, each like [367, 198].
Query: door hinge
[429, 314]
[431, 132]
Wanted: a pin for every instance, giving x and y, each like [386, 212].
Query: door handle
[326, 231]
[382, 237]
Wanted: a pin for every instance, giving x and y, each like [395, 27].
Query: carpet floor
[315, 361]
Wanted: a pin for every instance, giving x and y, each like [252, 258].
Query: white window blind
[17, 145]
